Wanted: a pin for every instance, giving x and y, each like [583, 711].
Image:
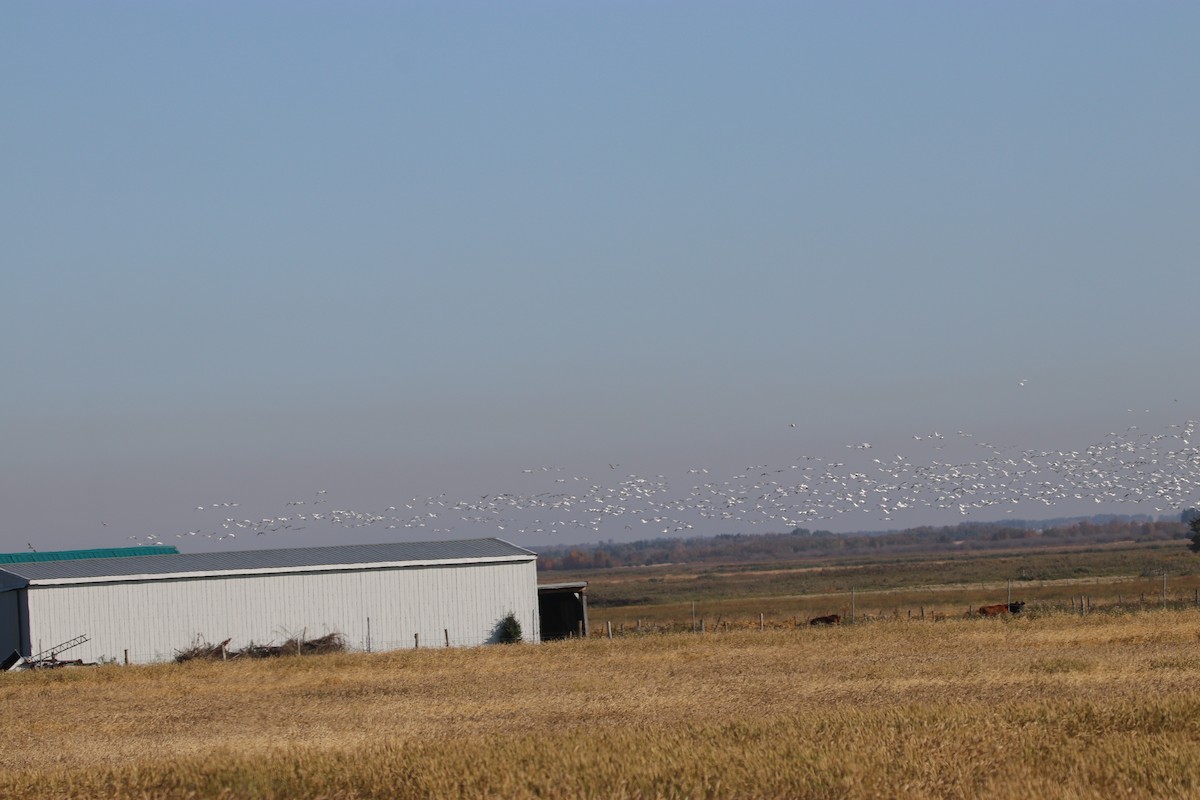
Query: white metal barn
[378, 596]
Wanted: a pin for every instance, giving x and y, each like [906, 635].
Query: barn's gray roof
[263, 561]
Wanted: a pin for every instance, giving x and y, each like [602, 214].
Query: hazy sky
[253, 251]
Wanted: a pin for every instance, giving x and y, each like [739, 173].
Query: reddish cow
[999, 609]
[829, 619]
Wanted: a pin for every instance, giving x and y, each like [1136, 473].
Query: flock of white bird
[1160, 470]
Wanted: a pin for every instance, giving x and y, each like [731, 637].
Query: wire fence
[229, 649]
[852, 607]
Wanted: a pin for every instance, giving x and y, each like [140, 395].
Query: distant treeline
[801, 542]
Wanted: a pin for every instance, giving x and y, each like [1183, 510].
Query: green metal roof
[74, 555]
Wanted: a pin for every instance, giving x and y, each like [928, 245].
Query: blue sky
[395, 251]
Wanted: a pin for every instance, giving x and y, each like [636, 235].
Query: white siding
[153, 619]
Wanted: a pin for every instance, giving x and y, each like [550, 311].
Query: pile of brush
[203, 651]
[295, 646]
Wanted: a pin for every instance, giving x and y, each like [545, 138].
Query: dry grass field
[1049, 706]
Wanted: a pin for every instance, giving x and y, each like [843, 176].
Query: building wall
[10, 623]
[154, 619]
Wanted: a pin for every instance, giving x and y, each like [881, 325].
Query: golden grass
[1055, 706]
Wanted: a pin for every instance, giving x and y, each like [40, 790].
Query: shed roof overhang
[8, 581]
[564, 586]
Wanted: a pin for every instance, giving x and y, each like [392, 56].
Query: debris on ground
[297, 645]
[48, 658]
[204, 651]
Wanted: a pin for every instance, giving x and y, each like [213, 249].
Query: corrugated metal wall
[154, 619]
[10, 623]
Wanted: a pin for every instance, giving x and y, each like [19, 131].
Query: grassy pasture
[1112, 577]
[1051, 706]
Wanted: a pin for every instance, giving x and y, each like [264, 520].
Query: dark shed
[562, 608]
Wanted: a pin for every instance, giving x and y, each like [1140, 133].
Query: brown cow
[829, 619]
[999, 609]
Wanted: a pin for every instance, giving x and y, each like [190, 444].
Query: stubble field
[1049, 706]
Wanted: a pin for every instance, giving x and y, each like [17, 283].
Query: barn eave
[166, 576]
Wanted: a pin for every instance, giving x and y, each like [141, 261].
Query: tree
[1194, 525]
[508, 631]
